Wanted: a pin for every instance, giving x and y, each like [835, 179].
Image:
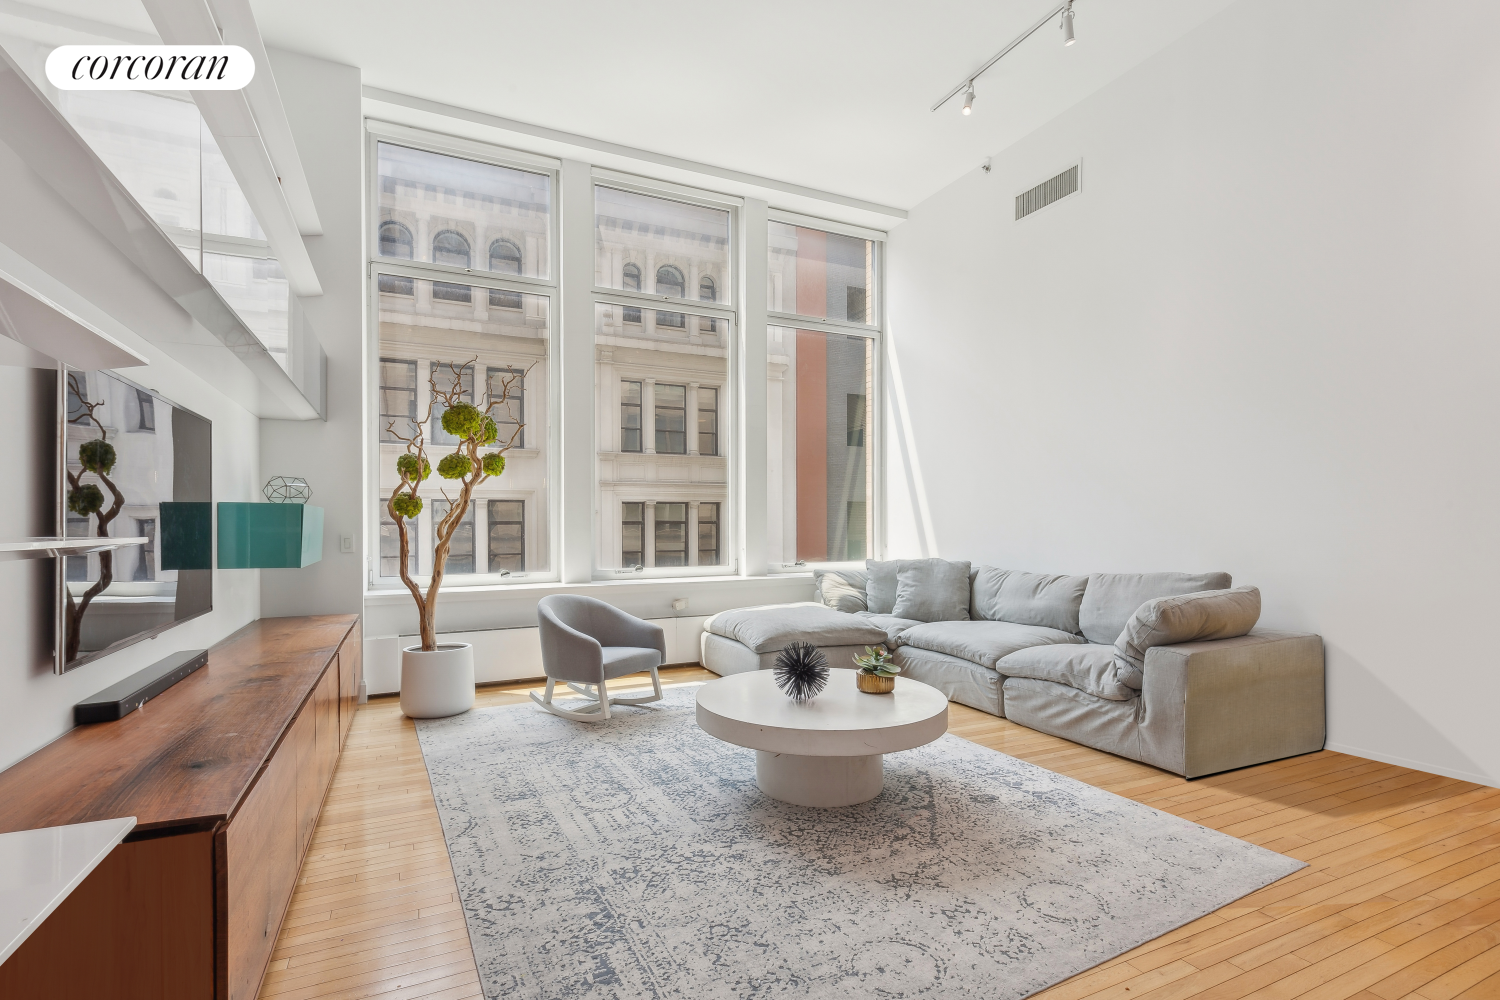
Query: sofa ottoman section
[727, 656]
[1226, 703]
[961, 680]
[752, 638]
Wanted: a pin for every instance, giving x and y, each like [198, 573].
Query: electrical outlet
[681, 604]
[346, 543]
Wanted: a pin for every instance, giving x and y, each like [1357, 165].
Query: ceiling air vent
[1045, 193]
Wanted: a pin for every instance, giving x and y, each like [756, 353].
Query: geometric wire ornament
[288, 489]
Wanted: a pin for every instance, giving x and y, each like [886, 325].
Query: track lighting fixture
[1065, 8]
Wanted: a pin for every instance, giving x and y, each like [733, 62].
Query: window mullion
[752, 500]
[576, 355]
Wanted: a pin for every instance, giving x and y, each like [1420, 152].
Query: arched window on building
[395, 241]
[505, 258]
[669, 281]
[708, 292]
[630, 280]
[450, 248]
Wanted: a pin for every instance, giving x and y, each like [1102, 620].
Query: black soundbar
[119, 700]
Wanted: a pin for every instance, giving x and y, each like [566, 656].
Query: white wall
[322, 102]
[44, 241]
[1262, 339]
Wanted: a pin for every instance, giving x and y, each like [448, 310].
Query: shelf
[51, 548]
[43, 327]
[269, 535]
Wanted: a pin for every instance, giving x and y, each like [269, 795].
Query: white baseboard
[1415, 765]
[506, 654]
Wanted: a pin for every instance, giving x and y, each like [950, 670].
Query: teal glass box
[187, 534]
[269, 535]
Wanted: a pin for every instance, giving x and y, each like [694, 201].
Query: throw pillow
[880, 585]
[1209, 614]
[932, 590]
[841, 590]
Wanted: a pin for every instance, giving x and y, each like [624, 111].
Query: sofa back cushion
[840, 589]
[1008, 595]
[880, 582]
[932, 590]
[1111, 598]
[1211, 614]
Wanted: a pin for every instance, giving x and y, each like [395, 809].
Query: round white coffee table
[825, 752]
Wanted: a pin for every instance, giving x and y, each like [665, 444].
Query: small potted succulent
[877, 671]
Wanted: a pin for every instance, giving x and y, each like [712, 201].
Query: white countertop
[39, 868]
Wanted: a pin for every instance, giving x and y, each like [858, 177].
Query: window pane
[708, 421]
[818, 465]
[708, 534]
[670, 528]
[664, 459]
[259, 293]
[451, 206]
[461, 545]
[507, 548]
[398, 400]
[659, 246]
[630, 416]
[423, 339]
[671, 419]
[813, 273]
[390, 545]
[226, 210]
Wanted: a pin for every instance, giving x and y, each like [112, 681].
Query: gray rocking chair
[587, 643]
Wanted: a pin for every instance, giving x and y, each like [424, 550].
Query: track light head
[969, 99]
[1067, 24]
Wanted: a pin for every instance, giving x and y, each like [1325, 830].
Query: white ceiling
[830, 95]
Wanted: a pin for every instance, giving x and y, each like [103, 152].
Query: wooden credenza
[226, 773]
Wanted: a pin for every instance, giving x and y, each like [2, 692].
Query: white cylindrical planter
[439, 682]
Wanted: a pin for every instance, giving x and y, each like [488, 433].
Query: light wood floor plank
[1401, 900]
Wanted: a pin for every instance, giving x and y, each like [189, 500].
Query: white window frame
[731, 514]
[875, 429]
[376, 132]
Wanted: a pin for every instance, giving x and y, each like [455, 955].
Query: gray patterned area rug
[637, 859]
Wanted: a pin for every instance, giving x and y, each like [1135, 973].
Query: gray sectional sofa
[1165, 668]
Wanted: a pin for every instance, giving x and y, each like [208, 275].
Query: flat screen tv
[136, 466]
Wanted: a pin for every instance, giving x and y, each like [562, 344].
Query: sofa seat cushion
[984, 643]
[1111, 726]
[1088, 667]
[776, 626]
[962, 681]
[1111, 598]
[893, 626]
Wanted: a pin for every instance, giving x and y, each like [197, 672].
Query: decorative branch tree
[475, 428]
[97, 456]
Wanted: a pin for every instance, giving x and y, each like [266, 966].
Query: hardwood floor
[1401, 898]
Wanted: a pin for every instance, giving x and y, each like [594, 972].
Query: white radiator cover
[507, 654]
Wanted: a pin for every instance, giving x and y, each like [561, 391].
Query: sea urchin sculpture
[801, 671]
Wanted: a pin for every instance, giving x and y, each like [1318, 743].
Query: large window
[465, 276]
[480, 234]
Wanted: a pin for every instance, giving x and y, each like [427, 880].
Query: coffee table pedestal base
[822, 782]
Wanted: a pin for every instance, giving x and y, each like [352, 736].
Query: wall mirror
[135, 467]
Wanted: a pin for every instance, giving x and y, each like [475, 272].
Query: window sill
[531, 591]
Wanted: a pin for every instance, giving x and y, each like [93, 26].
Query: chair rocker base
[599, 711]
